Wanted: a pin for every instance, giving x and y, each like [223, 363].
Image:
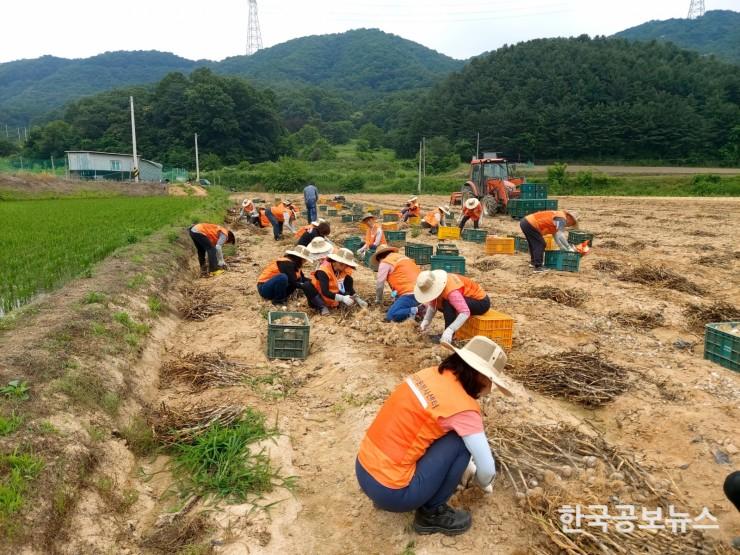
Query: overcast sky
[217, 29]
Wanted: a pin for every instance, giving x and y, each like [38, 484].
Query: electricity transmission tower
[254, 36]
[696, 9]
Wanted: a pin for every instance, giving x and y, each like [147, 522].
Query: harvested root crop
[289, 321]
[637, 319]
[198, 304]
[610, 244]
[572, 297]
[697, 316]
[608, 266]
[660, 276]
[485, 264]
[204, 370]
[579, 377]
[185, 424]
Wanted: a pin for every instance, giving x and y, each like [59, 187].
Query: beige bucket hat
[301, 252]
[445, 209]
[412, 199]
[429, 285]
[344, 256]
[367, 216]
[246, 202]
[573, 214]
[485, 356]
[319, 245]
[472, 203]
[381, 250]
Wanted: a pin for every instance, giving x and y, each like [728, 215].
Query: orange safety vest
[414, 210]
[469, 288]
[544, 221]
[370, 235]
[408, 423]
[304, 229]
[211, 231]
[271, 270]
[280, 211]
[264, 222]
[473, 214]
[402, 277]
[334, 281]
[431, 218]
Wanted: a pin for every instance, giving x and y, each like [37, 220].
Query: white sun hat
[472, 203]
[573, 214]
[429, 285]
[445, 209]
[344, 256]
[485, 356]
[301, 252]
[319, 245]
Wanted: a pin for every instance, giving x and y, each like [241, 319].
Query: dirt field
[678, 416]
[639, 170]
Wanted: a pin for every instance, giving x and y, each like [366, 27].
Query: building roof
[111, 153]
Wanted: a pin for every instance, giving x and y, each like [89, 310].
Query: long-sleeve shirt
[560, 238]
[323, 279]
[310, 195]
[308, 236]
[469, 426]
[289, 269]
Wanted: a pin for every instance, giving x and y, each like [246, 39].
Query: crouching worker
[374, 236]
[421, 441]
[434, 218]
[457, 296]
[332, 285]
[412, 209]
[308, 233]
[209, 238]
[248, 209]
[400, 272]
[283, 276]
[537, 225]
[472, 210]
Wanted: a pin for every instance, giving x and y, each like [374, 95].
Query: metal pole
[133, 141]
[419, 185]
[25, 134]
[477, 146]
[424, 150]
[197, 162]
[52, 164]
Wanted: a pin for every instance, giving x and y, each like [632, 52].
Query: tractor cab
[491, 182]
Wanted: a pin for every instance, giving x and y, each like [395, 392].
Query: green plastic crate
[532, 191]
[353, 243]
[395, 238]
[366, 258]
[357, 209]
[578, 237]
[422, 254]
[348, 218]
[551, 204]
[331, 212]
[453, 264]
[721, 345]
[521, 244]
[287, 341]
[563, 261]
[323, 208]
[474, 235]
[447, 249]
[390, 217]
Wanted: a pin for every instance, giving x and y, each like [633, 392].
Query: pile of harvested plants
[180, 533]
[204, 370]
[485, 264]
[660, 276]
[636, 319]
[185, 424]
[572, 297]
[579, 377]
[198, 304]
[608, 266]
[697, 316]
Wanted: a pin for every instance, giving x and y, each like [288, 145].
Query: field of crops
[47, 242]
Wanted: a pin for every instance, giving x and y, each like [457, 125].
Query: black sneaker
[443, 519]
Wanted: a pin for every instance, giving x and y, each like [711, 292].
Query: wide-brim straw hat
[429, 285]
[367, 217]
[343, 256]
[319, 245]
[412, 199]
[381, 250]
[246, 202]
[573, 214]
[472, 203]
[485, 356]
[301, 252]
[445, 209]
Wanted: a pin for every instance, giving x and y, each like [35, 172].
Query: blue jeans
[399, 310]
[312, 215]
[277, 227]
[438, 472]
[274, 289]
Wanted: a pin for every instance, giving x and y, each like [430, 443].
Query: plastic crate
[563, 261]
[449, 263]
[323, 208]
[721, 345]
[390, 217]
[550, 244]
[521, 244]
[348, 218]
[495, 325]
[449, 249]
[551, 204]
[499, 245]
[474, 235]
[390, 226]
[444, 232]
[422, 254]
[366, 258]
[395, 238]
[387, 211]
[287, 341]
[415, 220]
[353, 243]
[358, 209]
[532, 191]
[577, 237]
[331, 212]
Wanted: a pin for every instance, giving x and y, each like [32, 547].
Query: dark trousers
[476, 306]
[438, 472]
[275, 288]
[464, 221]
[536, 242]
[277, 227]
[203, 246]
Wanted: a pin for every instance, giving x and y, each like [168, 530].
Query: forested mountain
[716, 32]
[585, 98]
[29, 89]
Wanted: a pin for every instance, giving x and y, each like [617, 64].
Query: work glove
[360, 302]
[378, 299]
[468, 478]
[346, 299]
[362, 251]
[424, 326]
[446, 336]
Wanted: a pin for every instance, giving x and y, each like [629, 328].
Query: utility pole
[197, 163]
[424, 151]
[52, 163]
[420, 150]
[477, 146]
[25, 134]
[696, 9]
[254, 35]
[133, 142]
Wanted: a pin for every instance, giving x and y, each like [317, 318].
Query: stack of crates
[390, 215]
[444, 232]
[395, 238]
[722, 344]
[422, 254]
[532, 191]
[521, 244]
[499, 245]
[449, 263]
[563, 261]
[576, 237]
[353, 243]
[495, 325]
[532, 198]
[289, 341]
[449, 249]
[390, 226]
[474, 235]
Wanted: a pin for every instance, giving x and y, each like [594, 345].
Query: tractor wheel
[467, 192]
[490, 205]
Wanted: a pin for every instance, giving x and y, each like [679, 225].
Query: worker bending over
[279, 216]
[415, 452]
[400, 272]
[209, 238]
[434, 218]
[283, 276]
[412, 209]
[457, 296]
[472, 210]
[248, 209]
[374, 236]
[332, 285]
[308, 233]
[547, 222]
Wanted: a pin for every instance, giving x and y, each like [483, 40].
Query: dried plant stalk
[204, 370]
[184, 425]
[572, 297]
[198, 304]
[660, 276]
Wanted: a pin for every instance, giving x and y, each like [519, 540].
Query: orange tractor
[490, 181]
